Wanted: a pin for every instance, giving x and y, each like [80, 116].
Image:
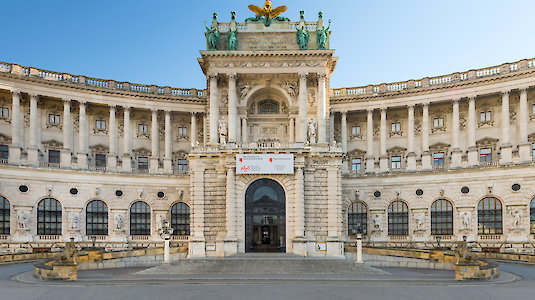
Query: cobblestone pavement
[394, 283]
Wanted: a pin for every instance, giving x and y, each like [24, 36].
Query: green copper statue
[302, 38]
[232, 39]
[322, 36]
[213, 37]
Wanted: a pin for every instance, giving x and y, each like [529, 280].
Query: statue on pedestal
[312, 131]
[466, 221]
[302, 38]
[377, 222]
[213, 37]
[463, 254]
[67, 257]
[223, 132]
[232, 39]
[322, 36]
[23, 220]
[517, 217]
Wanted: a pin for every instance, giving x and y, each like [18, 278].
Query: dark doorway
[265, 217]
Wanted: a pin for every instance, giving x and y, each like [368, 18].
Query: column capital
[344, 112]
[303, 75]
[410, 105]
[455, 100]
[154, 110]
[505, 92]
[472, 97]
[232, 75]
[370, 110]
[82, 102]
[322, 76]
[66, 101]
[113, 106]
[212, 76]
[425, 104]
[15, 92]
[524, 89]
[34, 96]
[383, 109]
[127, 108]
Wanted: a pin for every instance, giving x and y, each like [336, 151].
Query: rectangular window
[355, 130]
[533, 150]
[438, 122]
[485, 155]
[4, 152]
[438, 159]
[396, 162]
[182, 165]
[100, 160]
[182, 131]
[143, 163]
[485, 116]
[4, 112]
[533, 109]
[100, 124]
[53, 156]
[356, 165]
[396, 127]
[143, 128]
[54, 119]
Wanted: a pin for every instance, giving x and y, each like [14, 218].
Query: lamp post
[438, 238]
[165, 232]
[94, 239]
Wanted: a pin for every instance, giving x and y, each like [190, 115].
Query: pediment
[99, 148]
[4, 139]
[396, 150]
[142, 151]
[53, 144]
[487, 141]
[439, 146]
[357, 153]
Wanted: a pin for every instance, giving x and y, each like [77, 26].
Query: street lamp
[438, 238]
[94, 239]
[165, 232]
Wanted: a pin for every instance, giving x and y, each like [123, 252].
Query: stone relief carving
[223, 132]
[312, 131]
[290, 87]
[420, 221]
[23, 220]
[466, 221]
[517, 218]
[244, 89]
[311, 97]
[119, 223]
[377, 222]
[74, 222]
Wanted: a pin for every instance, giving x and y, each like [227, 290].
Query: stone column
[299, 212]
[204, 129]
[168, 155]
[232, 108]
[383, 160]
[127, 141]
[411, 155]
[33, 149]
[456, 153]
[82, 137]
[370, 159]
[303, 102]
[112, 156]
[322, 109]
[155, 142]
[231, 245]
[16, 143]
[214, 110]
[506, 147]
[193, 131]
[343, 131]
[245, 130]
[331, 128]
[524, 145]
[66, 153]
[473, 159]
[426, 155]
[291, 132]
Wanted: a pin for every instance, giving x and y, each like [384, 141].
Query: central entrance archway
[265, 217]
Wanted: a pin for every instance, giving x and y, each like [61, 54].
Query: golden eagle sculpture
[267, 13]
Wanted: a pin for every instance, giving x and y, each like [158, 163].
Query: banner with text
[264, 164]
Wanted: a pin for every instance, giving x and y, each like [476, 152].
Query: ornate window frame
[358, 131]
[396, 128]
[395, 152]
[488, 143]
[57, 120]
[357, 154]
[440, 121]
[488, 120]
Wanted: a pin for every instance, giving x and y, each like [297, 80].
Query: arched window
[489, 216]
[49, 217]
[140, 219]
[96, 218]
[357, 217]
[532, 216]
[180, 218]
[398, 218]
[442, 217]
[4, 215]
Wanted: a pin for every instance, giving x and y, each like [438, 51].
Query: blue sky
[158, 42]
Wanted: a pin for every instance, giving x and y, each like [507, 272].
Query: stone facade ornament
[23, 221]
[223, 132]
[466, 222]
[312, 131]
[517, 218]
[119, 223]
[420, 221]
[74, 222]
[322, 36]
[377, 222]
[302, 38]
[213, 37]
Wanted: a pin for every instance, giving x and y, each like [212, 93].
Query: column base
[231, 246]
[154, 165]
[65, 159]
[168, 165]
[524, 151]
[456, 158]
[111, 162]
[127, 163]
[14, 154]
[411, 162]
[370, 165]
[506, 157]
[82, 160]
[426, 161]
[473, 159]
[383, 164]
[197, 247]
[33, 156]
[299, 246]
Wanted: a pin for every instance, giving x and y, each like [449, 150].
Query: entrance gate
[265, 217]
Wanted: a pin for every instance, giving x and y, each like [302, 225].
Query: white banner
[264, 164]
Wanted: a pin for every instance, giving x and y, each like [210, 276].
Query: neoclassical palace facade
[405, 163]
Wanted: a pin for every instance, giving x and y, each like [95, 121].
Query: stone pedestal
[65, 159]
[335, 247]
[82, 160]
[370, 165]
[153, 165]
[524, 150]
[383, 164]
[197, 247]
[456, 158]
[299, 246]
[506, 157]
[111, 162]
[127, 163]
[231, 246]
[168, 165]
[33, 156]
[411, 162]
[426, 161]
[14, 154]
[473, 158]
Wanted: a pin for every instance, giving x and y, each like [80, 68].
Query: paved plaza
[167, 282]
